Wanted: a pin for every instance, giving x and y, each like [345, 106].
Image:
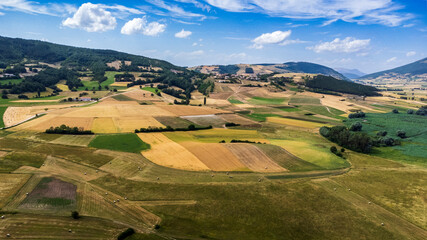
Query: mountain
[15, 50]
[416, 71]
[259, 69]
[350, 73]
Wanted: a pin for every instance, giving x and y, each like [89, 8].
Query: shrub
[382, 133]
[356, 127]
[401, 134]
[75, 215]
[410, 111]
[357, 115]
[342, 150]
[333, 149]
[127, 233]
[395, 111]
[231, 124]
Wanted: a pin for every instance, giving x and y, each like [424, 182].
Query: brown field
[116, 64]
[9, 185]
[51, 189]
[181, 110]
[168, 153]
[221, 95]
[234, 118]
[254, 158]
[104, 125]
[3, 153]
[74, 140]
[215, 156]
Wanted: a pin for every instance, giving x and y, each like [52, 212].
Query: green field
[122, 97]
[12, 81]
[150, 89]
[120, 142]
[2, 110]
[266, 101]
[94, 84]
[413, 148]
[234, 101]
[15, 160]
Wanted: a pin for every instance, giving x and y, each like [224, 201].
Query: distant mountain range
[350, 73]
[416, 71]
[288, 67]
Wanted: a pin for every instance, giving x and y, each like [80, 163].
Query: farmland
[262, 171]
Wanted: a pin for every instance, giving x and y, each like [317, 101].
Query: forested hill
[416, 68]
[15, 50]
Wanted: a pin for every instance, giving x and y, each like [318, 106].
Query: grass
[304, 100]
[94, 84]
[15, 160]
[323, 110]
[12, 81]
[261, 117]
[289, 109]
[276, 210]
[120, 142]
[234, 101]
[266, 101]
[150, 89]
[413, 149]
[122, 97]
[2, 110]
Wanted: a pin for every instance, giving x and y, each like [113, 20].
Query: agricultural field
[120, 142]
[271, 167]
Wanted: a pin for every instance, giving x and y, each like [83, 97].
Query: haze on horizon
[369, 35]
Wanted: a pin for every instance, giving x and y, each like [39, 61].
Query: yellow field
[104, 125]
[10, 184]
[295, 122]
[215, 156]
[254, 158]
[129, 124]
[84, 122]
[218, 134]
[168, 153]
[120, 84]
[63, 87]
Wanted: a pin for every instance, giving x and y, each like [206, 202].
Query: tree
[75, 215]
[356, 127]
[334, 150]
[127, 233]
[395, 111]
[191, 127]
[410, 111]
[204, 101]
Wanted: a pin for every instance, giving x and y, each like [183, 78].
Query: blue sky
[369, 35]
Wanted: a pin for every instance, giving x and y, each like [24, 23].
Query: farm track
[374, 212]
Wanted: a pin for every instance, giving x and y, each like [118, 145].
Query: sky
[369, 35]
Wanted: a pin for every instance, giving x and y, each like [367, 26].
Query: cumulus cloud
[346, 45]
[411, 53]
[276, 37]
[384, 12]
[183, 34]
[391, 59]
[140, 25]
[92, 18]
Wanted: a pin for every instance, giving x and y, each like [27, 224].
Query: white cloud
[1, 14]
[411, 53]
[183, 34]
[292, 41]
[92, 18]
[197, 4]
[346, 45]
[24, 6]
[391, 59]
[362, 11]
[174, 10]
[140, 25]
[270, 38]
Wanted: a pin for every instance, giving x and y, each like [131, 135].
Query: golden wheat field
[215, 156]
[168, 153]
